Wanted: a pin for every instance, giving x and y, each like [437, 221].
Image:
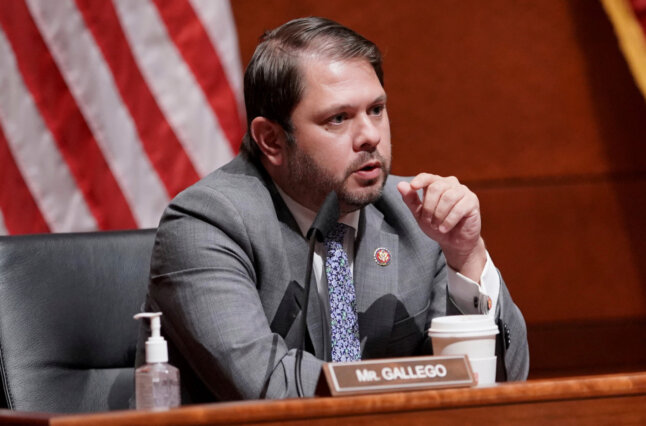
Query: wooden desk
[594, 400]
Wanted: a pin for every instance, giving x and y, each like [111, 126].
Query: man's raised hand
[449, 213]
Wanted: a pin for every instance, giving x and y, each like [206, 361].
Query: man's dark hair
[273, 82]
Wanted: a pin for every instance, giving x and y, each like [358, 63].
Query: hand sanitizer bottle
[156, 382]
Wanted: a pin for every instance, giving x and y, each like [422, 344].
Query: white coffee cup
[485, 368]
[472, 335]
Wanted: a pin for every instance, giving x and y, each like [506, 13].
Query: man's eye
[377, 109]
[337, 119]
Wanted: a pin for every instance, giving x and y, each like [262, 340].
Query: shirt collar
[305, 217]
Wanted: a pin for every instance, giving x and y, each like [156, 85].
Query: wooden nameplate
[395, 375]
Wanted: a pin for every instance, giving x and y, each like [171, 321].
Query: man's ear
[270, 138]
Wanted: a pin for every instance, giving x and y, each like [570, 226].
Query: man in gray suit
[230, 255]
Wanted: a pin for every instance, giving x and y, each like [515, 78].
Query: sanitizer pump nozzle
[156, 347]
[156, 382]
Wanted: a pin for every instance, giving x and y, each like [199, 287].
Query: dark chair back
[67, 336]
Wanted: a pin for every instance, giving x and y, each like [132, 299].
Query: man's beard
[311, 182]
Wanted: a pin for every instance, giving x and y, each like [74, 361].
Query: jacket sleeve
[512, 346]
[204, 280]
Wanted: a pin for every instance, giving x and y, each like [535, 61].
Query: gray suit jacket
[227, 272]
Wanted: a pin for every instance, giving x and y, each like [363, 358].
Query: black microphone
[326, 218]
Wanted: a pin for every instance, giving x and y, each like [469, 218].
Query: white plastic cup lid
[463, 324]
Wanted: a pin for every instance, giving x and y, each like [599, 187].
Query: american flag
[109, 108]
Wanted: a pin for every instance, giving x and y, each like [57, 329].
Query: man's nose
[368, 134]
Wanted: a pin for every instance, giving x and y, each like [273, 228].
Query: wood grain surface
[598, 400]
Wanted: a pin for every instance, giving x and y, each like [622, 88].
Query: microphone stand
[326, 218]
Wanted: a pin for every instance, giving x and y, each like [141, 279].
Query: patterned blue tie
[344, 324]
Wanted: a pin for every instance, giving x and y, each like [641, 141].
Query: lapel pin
[382, 256]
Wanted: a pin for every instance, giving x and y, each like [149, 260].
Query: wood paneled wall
[531, 104]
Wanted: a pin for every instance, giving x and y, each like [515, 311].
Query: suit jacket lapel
[375, 285]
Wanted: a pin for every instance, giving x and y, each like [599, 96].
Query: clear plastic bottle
[156, 382]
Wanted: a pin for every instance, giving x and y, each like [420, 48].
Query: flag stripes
[108, 118]
[223, 37]
[64, 120]
[190, 37]
[179, 96]
[109, 108]
[35, 153]
[159, 141]
[27, 218]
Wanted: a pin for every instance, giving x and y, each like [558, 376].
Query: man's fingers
[462, 209]
[409, 195]
[433, 197]
[447, 203]
[423, 180]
